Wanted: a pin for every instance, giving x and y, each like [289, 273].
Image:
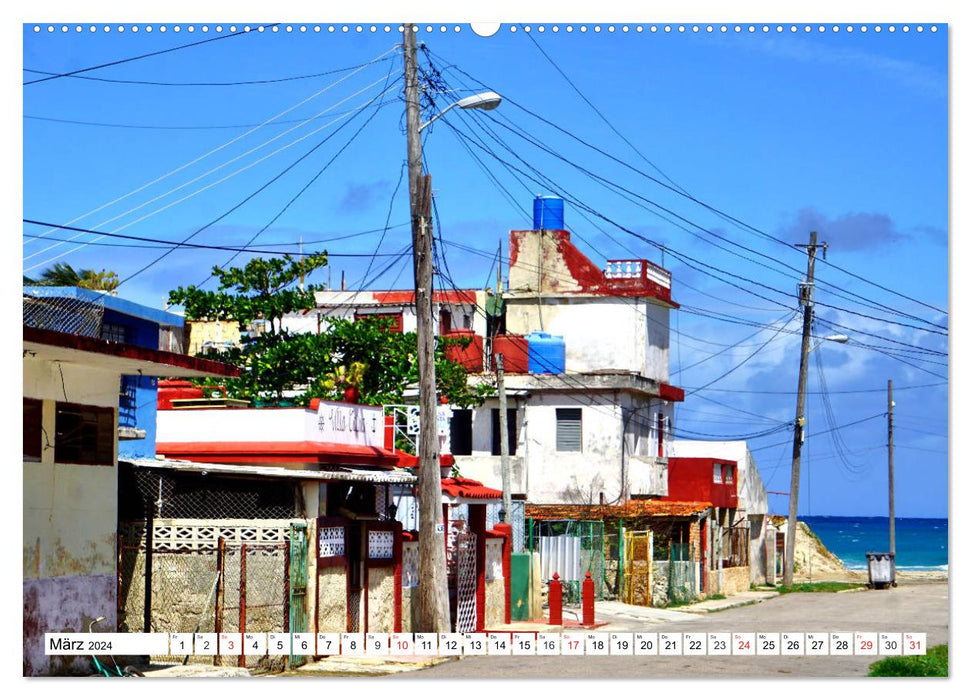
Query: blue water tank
[548, 213]
[547, 353]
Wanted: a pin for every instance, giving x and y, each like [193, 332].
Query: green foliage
[63, 275]
[365, 354]
[818, 587]
[933, 664]
[258, 291]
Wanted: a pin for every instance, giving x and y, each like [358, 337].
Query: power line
[823, 432]
[266, 81]
[217, 182]
[741, 224]
[163, 243]
[226, 144]
[138, 58]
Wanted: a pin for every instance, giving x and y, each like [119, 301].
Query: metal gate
[465, 583]
[298, 585]
[638, 555]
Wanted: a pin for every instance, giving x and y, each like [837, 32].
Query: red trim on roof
[407, 461]
[272, 452]
[670, 392]
[457, 487]
[445, 296]
[129, 352]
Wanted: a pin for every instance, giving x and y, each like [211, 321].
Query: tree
[63, 275]
[295, 367]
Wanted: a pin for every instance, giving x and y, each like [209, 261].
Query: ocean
[921, 542]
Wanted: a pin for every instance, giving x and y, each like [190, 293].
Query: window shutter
[569, 430]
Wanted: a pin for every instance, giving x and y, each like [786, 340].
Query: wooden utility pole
[806, 300]
[503, 420]
[504, 441]
[893, 539]
[432, 586]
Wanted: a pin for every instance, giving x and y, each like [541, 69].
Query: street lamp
[798, 436]
[483, 100]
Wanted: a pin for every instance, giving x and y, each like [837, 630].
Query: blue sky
[842, 132]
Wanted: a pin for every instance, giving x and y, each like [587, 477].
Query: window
[84, 434]
[718, 473]
[511, 423]
[461, 429]
[33, 431]
[115, 332]
[729, 473]
[568, 430]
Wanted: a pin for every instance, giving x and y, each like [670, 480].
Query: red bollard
[556, 600]
[587, 595]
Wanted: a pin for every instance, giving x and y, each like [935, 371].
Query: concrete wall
[201, 332]
[548, 476]
[380, 604]
[731, 580]
[69, 518]
[495, 613]
[331, 599]
[599, 332]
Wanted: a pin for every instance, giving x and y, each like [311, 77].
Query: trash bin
[881, 569]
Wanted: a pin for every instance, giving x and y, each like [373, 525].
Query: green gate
[298, 586]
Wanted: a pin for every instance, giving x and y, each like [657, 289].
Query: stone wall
[331, 599]
[731, 580]
[380, 601]
[659, 584]
[495, 597]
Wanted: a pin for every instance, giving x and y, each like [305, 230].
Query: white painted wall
[599, 332]
[344, 424]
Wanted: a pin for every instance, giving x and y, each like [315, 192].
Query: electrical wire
[55, 76]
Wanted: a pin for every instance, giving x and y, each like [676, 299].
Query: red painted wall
[692, 479]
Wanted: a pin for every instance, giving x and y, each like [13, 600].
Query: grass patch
[934, 664]
[819, 587]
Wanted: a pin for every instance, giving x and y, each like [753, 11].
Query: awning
[395, 476]
[457, 490]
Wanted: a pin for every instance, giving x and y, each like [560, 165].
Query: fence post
[149, 547]
[556, 600]
[242, 604]
[588, 596]
[118, 584]
[287, 551]
[220, 591]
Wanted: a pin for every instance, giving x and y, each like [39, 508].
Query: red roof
[275, 452]
[447, 296]
[407, 461]
[457, 487]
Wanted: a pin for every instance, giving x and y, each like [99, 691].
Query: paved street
[912, 607]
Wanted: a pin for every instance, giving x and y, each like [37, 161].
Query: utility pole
[806, 300]
[504, 441]
[893, 539]
[503, 420]
[433, 613]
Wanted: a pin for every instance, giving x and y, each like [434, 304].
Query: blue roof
[123, 306]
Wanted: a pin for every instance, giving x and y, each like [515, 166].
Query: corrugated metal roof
[373, 476]
[632, 509]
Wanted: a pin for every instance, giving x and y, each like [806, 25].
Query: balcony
[639, 276]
